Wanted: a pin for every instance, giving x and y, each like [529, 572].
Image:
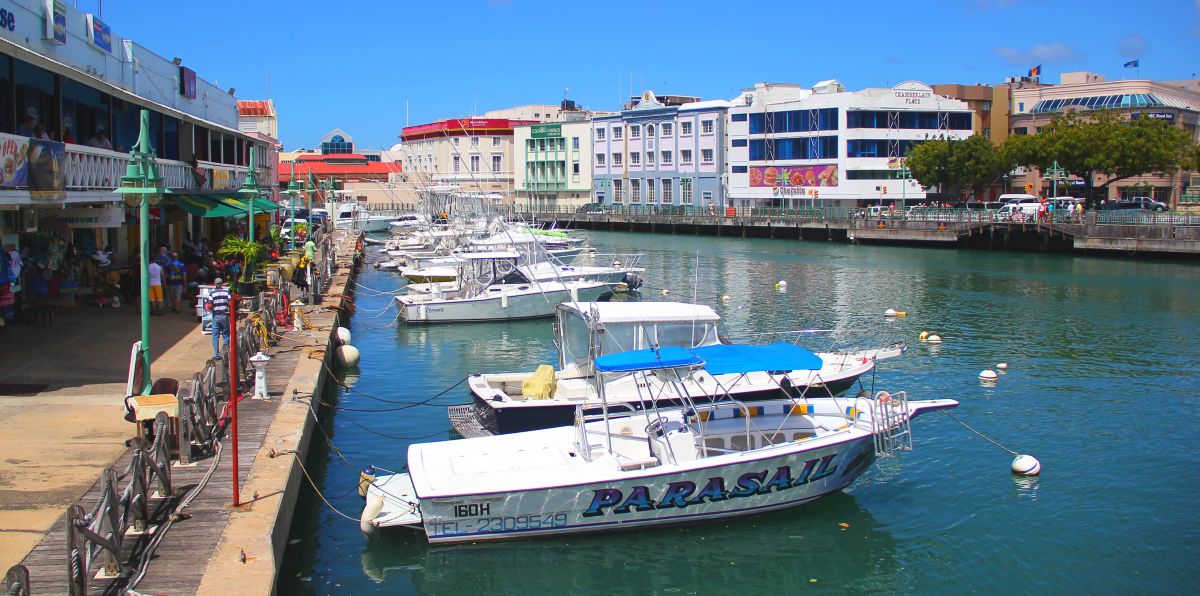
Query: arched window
[649, 131]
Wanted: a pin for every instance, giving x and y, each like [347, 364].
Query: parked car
[1138, 204]
[591, 208]
[1065, 202]
[1015, 199]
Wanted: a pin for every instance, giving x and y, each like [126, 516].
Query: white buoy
[348, 355]
[782, 284]
[988, 375]
[891, 312]
[1026, 465]
[1002, 366]
[933, 338]
[726, 298]
[343, 336]
[374, 506]
[666, 292]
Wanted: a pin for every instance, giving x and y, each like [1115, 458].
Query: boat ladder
[890, 425]
[466, 421]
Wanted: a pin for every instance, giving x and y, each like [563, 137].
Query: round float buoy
[1026, 465]
[782, 284]
[933, 338]
[348, 355]
[988, 375]
[666, 292]
[1002, 366]
[726, 298]
[891, 312]
[923, 336]
[343, 336]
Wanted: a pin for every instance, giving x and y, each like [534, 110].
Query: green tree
[955, 165]
[251, 252]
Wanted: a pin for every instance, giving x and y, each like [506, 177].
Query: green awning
[218, 204]
[260, 205]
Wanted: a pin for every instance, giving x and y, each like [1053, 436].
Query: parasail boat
[625, 469]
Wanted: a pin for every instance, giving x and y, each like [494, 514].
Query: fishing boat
[621, 469]
[491, 288]
[521, 401]
[622, 269]
[351, 214]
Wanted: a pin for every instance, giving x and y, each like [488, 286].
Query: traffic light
[884, 191]
[1028, 187]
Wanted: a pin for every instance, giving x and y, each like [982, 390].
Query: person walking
[176, 280]
[218, 304]
[155, 273]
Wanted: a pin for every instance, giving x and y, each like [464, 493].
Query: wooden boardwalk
[184, 552]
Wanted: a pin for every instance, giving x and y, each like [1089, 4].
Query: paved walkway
[55, 443]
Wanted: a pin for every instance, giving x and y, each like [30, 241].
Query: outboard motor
[633, 280]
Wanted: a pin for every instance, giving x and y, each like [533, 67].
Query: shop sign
[545, 131]
[99, 33]
[56, 21]
[108, 216]
[1164, 116]
[14, 157]
[47, 178]
[798, 176]
[222, 179]
[187, 82]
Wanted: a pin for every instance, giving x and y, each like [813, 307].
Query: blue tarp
[668, 357]
[717, 360]
[724, 359]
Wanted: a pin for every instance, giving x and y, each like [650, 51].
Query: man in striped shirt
[218, 303]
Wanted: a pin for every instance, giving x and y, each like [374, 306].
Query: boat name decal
[685, 493]
[472, 510]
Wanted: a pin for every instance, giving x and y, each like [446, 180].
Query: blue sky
[352, 65]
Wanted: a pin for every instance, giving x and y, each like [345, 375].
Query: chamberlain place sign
[545, 131]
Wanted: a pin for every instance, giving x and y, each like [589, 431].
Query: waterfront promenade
[1119, 232]
[63, 440]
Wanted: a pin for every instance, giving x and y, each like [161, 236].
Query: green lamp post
[250, 192]
[905, 175]
[142, 187]
[1055, 173]
[293, 191]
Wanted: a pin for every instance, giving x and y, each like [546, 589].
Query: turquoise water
[1102, 388]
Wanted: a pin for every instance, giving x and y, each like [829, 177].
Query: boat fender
[924, 335]
[348, 355]
[370, 512]
[343, 336]
[365, 478]
[633, 280]
[1026, 465]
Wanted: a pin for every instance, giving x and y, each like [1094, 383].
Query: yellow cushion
[541, 384]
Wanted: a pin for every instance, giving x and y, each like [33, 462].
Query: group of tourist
[31, 128]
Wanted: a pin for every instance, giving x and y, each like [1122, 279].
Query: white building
[791, 146]
[553, 166]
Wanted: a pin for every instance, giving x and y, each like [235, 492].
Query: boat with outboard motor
[520, 401]
[620, 469]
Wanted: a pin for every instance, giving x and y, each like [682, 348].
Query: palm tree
[250, 252]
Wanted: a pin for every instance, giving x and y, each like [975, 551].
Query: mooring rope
[985, 437]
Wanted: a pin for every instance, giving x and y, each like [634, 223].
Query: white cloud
[1133, 46]
[1038, 54]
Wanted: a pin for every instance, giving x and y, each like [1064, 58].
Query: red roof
[373, 169]
[462, 126]
[254, 107]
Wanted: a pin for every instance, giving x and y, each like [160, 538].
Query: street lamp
[1055, 173]
[905, 176]
[293, 191]
[250, 192]
[142, 187]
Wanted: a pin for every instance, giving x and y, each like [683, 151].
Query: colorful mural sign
[789, 176]
[14, 158]
[100, 33]
[47, 176]
[56, 21]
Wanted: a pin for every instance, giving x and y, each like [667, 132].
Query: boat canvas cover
[635, 360]
[643, 312]
[724, 359]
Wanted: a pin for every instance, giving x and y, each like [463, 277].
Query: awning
[780, 356]
[666, 357]
[218, 203]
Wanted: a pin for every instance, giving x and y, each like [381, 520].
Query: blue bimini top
[635, 360]
[724, 359]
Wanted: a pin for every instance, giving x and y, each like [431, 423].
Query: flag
[1133, 63]
[1035, 71]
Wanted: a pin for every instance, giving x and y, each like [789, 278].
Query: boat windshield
[626, 336]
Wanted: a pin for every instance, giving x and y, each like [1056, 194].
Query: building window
[457, 164]
[666, 190]
[649, 190]
[541, 144]
[649, 158]
[706, 156]
[616, 160]
[739, 142]
[575, 168]
[600, 159]
[474, 163]
[495, 141]
[474, 141]
[706, 196]
[685, 128]
[737, 117]
[1020, 130]
[496, 162]
[616, 133]
[878, 147]
[666, 129]
[618, 190]
[635, 132]
[706, 127]
[454, 141]
[685, 191]
[532, 144]
[635, 191]
[666, 158]
[599, 134]
[635, 158]
[685, 156]
[649, 131]
[807, 148]
[575, 143]
[739, 169]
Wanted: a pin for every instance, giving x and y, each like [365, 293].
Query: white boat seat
[628, 464]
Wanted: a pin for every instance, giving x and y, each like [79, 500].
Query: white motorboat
[521, 401]
[352, 214]
[693, 463]
[492, 289]
[407, 221]
[624, 269]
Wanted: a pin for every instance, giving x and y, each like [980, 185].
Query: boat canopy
[724, 359]
[643, 312]
[488, 255]
[668, 357]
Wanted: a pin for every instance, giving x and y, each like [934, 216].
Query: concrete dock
[212, 548]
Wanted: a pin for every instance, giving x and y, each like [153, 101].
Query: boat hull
[494, 308]
[793, 477]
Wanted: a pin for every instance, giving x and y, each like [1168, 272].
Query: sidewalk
[56, 442]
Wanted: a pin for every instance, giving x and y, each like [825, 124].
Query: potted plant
[250, 252]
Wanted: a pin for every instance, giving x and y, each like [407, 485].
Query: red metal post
[234, 378]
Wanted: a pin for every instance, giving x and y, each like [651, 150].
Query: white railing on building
[89, 168]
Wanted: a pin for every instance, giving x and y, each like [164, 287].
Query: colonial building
[657, 153]
[554, 162]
